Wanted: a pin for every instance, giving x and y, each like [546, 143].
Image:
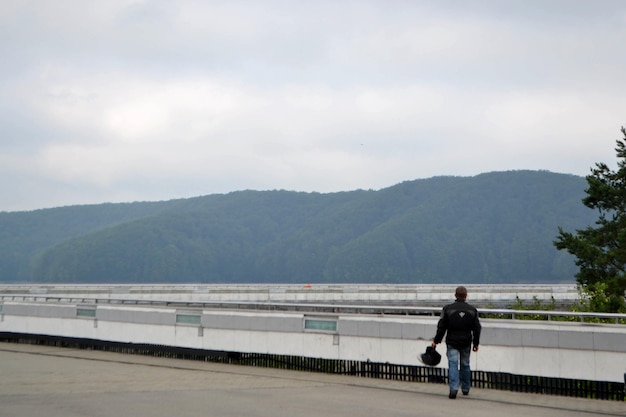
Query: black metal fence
[603, 390]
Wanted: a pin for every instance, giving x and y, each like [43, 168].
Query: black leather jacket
[460, 321]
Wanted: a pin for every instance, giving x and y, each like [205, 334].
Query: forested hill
[492, 228]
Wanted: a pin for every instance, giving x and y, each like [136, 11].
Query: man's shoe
[465, 392]
[452, 395]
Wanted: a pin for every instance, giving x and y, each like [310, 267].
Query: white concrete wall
[323, 293]
[564, 350]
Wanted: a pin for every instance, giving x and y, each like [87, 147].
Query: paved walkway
[55, 382]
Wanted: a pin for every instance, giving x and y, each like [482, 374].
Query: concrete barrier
[486, 295]
[551, 349]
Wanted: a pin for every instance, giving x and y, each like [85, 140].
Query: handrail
[536, 315]
[550, 314]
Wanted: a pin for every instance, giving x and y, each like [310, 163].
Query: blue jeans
[454, 375]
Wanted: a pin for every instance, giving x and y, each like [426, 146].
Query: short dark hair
[461, 292]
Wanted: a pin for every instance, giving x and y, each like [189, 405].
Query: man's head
[460, 293]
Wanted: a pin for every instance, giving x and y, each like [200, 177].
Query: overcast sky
[120, 100]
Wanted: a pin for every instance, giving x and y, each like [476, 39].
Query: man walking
[460, 321]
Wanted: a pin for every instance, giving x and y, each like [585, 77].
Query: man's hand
[475, 348]
[433, 344]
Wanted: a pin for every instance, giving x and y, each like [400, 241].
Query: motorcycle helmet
[431, 357]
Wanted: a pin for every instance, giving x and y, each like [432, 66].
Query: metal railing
[334, 308]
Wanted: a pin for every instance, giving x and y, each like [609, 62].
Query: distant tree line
[492, 228]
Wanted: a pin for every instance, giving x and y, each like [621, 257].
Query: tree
[601, 251]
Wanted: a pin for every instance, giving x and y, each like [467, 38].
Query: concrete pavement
[57, 382]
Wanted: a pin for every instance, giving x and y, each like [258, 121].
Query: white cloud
[126, 100]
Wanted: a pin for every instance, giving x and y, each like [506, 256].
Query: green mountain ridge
[491, 228]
